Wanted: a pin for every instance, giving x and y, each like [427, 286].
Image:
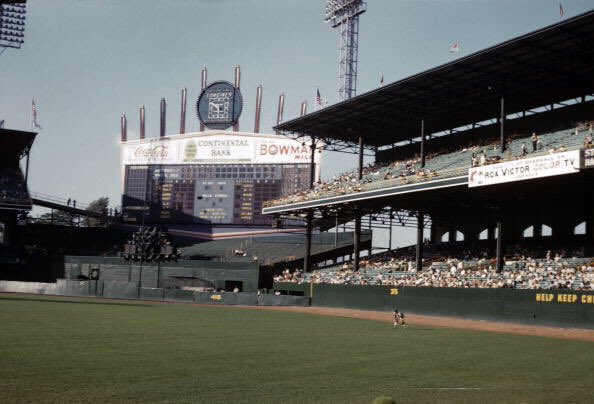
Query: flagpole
[29, 148]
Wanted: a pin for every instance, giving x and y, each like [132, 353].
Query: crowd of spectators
[408, 170]
[523, 272]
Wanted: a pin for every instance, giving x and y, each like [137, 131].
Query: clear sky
[87, 62]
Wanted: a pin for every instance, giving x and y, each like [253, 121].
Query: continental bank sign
[525, 169]
[205, 148]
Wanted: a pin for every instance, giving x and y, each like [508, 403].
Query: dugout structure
[540, 82]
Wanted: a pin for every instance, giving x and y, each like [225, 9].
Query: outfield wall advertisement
[221, 148]
[525, 169]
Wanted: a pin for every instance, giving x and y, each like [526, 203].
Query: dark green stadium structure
[532, 307]
[539, 82]
[461, 148]
[246, 263]
[425, 132]
[15, 200]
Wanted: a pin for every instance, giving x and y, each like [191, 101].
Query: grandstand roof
[549, 65]
[13, 144]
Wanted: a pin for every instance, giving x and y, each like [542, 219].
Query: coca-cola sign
[151, 152]
[219, 148]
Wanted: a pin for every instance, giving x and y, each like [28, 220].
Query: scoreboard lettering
[587, 158]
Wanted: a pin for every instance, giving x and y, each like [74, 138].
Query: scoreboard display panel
[159, 187]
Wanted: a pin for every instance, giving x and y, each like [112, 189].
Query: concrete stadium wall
[166, 274]
[564, 308]
[130, 291]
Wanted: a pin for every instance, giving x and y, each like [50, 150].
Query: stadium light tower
[12, 24]
[345, 14]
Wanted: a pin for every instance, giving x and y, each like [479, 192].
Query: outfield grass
[55, 350]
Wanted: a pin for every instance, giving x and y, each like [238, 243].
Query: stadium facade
[213, 177]
[425, 131]
[450, 145]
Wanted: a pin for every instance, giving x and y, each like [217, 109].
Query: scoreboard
[211, 177]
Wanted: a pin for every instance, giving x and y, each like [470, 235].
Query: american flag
[34, 115]
[319, 102]
[455, 48]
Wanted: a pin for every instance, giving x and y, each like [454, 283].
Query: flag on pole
[561, 11]
[34, 115]
[455, 48]
[319, 103]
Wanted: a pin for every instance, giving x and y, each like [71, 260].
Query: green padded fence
[130, 290]
[283, 300]
[120, 290]
[244, 299]
[565, 308]
[152, 294]
[73, 288]
[166, 274]
[249, 299]
[40, 288]
[175, 295]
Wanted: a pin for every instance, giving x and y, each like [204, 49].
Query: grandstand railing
[566, 140]
[57, 200]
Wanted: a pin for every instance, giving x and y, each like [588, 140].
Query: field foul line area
[574, 334]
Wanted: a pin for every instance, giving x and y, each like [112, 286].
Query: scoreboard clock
[219, 105]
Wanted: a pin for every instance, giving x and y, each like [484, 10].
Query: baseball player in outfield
[399, 319]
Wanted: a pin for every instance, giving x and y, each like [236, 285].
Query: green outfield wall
[130, 291]
[564, 308]
[168, 275]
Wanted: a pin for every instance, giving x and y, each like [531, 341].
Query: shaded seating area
[273, 250]
[441, 165]
[574, 273]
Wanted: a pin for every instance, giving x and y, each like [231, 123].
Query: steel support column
[308, 226]
[419, 252]
[360, 168]
[312, 174]
[357, 240]
[500, 257]
[357, 232]
[502, 125]
[308, 231]
[423, 143]
[390, 234]
[336, 232]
